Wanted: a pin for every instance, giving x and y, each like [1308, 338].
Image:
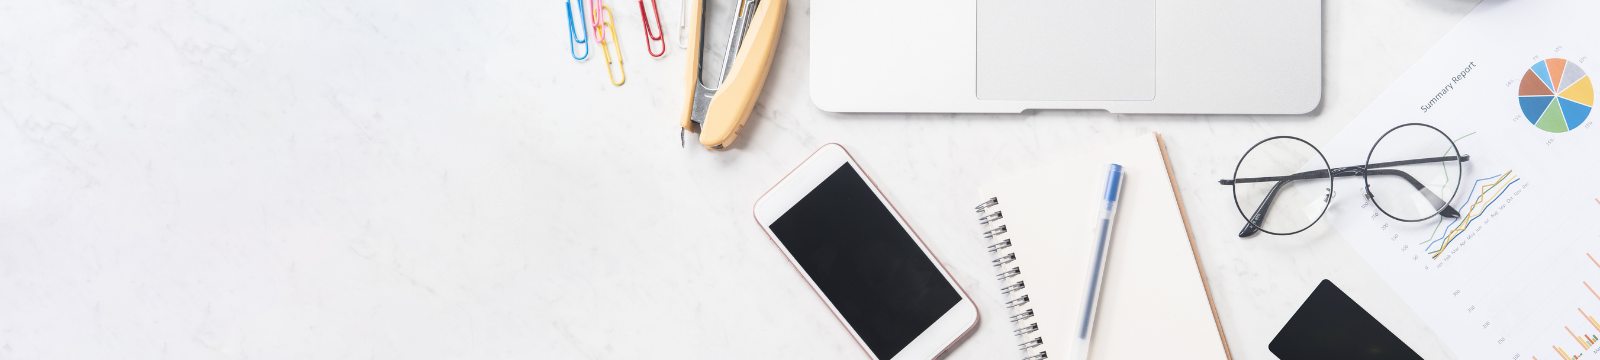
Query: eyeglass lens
[1282, 185]
[1413, 172]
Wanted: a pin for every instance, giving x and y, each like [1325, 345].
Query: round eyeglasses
[1411, 174]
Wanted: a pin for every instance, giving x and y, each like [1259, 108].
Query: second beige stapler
[720, 112]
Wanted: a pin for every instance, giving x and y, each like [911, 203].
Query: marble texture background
[340, 179]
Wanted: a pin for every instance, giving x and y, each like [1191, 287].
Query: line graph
[1484, 196]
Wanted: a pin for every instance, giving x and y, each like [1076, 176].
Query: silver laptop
[1124, 56]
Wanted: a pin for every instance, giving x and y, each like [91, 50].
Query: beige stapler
[720, 112]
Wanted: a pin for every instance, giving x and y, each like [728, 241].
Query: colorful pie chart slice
[1552, 120]
[1581, 91]
[1571, 76]
[1573, 112]
[1556, 67]
[1534, 106]
[1532, 85]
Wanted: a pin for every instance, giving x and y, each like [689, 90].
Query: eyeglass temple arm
[1445, 209]
[1261, 211]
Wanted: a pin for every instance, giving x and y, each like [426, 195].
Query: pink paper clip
[594, 17]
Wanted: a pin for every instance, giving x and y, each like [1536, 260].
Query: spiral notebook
[1155, 303]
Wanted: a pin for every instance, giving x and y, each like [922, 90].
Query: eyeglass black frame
[1250, 227]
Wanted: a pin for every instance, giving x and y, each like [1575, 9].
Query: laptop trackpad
[1051, 50]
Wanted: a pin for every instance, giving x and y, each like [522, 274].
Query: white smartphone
[863, 260]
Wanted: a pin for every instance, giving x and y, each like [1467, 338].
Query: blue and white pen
[1107, 212]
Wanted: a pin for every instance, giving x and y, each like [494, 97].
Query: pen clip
[1113, 183]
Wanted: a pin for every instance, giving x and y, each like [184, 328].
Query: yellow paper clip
[605, 47]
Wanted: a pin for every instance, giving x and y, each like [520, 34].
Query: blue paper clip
[572, 33]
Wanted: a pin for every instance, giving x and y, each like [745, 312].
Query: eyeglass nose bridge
[1358, 170]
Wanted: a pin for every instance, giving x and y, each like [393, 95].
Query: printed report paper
[1516, 276]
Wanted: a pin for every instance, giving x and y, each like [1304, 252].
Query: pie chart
[1556, 95]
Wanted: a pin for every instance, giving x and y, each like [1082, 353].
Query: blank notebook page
[1155, 304]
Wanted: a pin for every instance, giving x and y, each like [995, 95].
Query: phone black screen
[865, 262]
[1331, 326]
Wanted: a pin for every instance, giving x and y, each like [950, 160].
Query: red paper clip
[649, 38]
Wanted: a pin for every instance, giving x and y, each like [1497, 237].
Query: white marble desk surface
[439, 179]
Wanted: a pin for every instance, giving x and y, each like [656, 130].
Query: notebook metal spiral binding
[986, 219]
[1005, 259]
[1009, 273]
[1018, 300]
[1013, 287]
[986, 204]
[1022, 316]
[1000, 245]
[1031, 343]
[994, 232]
[1026, 329]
